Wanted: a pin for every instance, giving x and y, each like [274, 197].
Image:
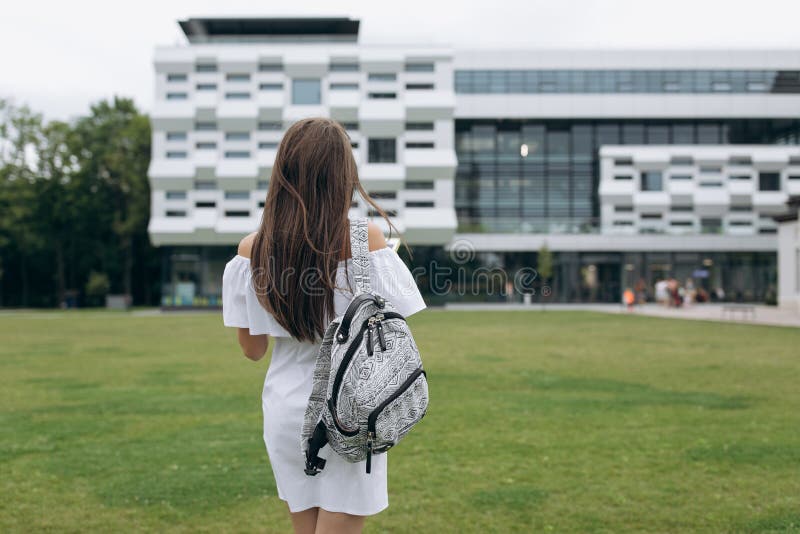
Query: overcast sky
[58, 56]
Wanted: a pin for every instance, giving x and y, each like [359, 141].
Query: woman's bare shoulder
[246, 245]
[376, 239]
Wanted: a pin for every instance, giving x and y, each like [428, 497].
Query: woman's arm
[253, 347]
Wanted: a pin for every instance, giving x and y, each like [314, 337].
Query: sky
[59, 57]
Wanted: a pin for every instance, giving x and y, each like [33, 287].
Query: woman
[288, 281]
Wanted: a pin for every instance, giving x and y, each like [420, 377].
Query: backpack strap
[359, 249]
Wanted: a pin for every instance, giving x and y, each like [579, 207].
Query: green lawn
[540, 421]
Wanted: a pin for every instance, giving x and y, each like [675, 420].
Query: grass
[554, 421]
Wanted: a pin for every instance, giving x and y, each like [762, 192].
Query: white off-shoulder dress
[342, 486]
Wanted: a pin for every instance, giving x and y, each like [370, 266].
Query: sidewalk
[767, 315]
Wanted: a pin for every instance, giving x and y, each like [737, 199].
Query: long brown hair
[304, 230]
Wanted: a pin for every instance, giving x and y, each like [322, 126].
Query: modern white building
[789, 256]
[630, 165]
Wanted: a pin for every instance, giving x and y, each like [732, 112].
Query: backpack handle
[355, 304]
[359, 250]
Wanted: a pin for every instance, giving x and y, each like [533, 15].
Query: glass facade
[626, 81]
[541, 176]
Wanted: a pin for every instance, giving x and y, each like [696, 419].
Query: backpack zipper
[373, 416]
[351, 350]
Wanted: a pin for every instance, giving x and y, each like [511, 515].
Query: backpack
[369, 386]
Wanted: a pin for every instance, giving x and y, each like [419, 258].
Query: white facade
[221, 109]
[789, 258]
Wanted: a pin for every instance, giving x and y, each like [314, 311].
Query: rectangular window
[271, 87]
[382, 96]
[623, 162]
[205, 67]
[740, 223]
[262, 184]
[651, 181]
[306, 92]
[682, 209]
[793, 177]
[623, 177]
[177, 77]
[176, 154]
[205, 204]
[237, 77]
[206, 145]
[237, 95]
[623, 223]
[383, 195]
[376, 213]
[416, 144]
[741, 208]
[261, 204]
[205, 126]
[419, 86]
[419, 67]
[344, 87]
[681, 160]
[710, 184]
[420, 204]
[176, 213]
[270, 125]
[237, 213]
[767, 230]
[769, 181]
[352, 126]
[419, 126]
[417, 185]
[237, 195]
[710, 225]
[206, 87]
[205, 185]
[353, 144]
[740, 160]
[739, 177]
[237, 136]
[681, 223]
[623, 209]
[237, 154]
[651, 216]
[267, 145]
[684, 177]
[176, 136]
[382, 151]
[343, 67]
[382, 76]
[176, 195]
[711, 170]
[177, 96]
[270, 67]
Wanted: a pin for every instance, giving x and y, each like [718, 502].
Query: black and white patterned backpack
[369, 386]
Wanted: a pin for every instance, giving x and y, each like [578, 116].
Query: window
[206, 87]
[680, 177]
[343, 67]
[237, 77]
[623, 223]
[176, 77]
[623, 209]
[176, 136]
[270, 67]
[681, 160]
[710, 184]
[416, 144]
[382, 96]
[176, 154]
[382, 151]
[651, 216]
[376, 213]
[270, 125]
[176, 96]
[793, 177]
[271, 87]
[421, 126]
[740, 223]
[237, 213]
[353, 126]
[205, 204]
[237, 195]
[207, 145]
[261, 204]
[383, 195]
[382, 76]
[651, 181]
[237, 154]
[623, 177]
[205, 126]
[740, 160]
[353, 144]
[419, 86]
[681, 223]
[711, 170]
[176, 195]
[419, 67]
[623, 162]
[176, 213]
[237, 95]
[415, 185]
[205, 185]
[262, 184]
[237, 136]
[205, 67]
[710, 225]
[769, 181]
[344, 87]
[267, 145]
[420, 204]
[739, 177]
[767, 230]
[742, 208]
[306, 92]
[682, 208]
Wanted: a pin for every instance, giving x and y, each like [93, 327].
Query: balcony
[344, 105]
[427, 105]
[429, 226]
[616, 191]
[425, 164]
[172, 115]
[382, 176]
[379, 118]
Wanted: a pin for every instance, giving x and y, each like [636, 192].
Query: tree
[544, 266]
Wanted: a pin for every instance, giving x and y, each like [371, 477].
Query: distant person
[629, 298]
[641, 291]
[305, 230]
[688, 292]
[662, 292]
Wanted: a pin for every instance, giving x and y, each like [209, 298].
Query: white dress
[342, 486]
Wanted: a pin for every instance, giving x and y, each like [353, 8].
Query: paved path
[769, 315]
